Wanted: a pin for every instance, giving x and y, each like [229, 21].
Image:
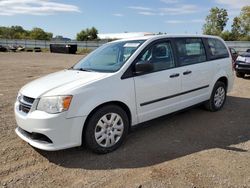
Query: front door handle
[174, 75]
[187, 72]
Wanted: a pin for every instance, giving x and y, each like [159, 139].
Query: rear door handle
[187, 72]
[174, 75]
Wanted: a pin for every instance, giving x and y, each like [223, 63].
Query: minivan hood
[52, 81]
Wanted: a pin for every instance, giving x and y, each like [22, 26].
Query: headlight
[54, 104]
[18, 96]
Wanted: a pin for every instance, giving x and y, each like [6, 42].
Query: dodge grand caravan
[119, 85]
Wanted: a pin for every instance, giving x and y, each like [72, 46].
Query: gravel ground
[194, 148]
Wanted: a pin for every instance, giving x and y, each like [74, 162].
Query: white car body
[92, 89]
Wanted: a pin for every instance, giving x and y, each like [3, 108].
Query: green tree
[245, 20]
[4, 32]
[241, 25]
[236, 29]
[13, 32]
[93, 33]
[40, 34]
[82, 36]
[215, 21]
[227, 36]
[17, 32]
[87, 34]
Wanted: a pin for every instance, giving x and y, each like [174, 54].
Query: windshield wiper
[83, 69]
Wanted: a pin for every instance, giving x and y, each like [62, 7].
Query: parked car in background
[248, 50]
[3, 49]
[12, 48]
[37, 49]
[20, 48]
[242, 65]
[119, 85]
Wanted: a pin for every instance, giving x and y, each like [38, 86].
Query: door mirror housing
[142, 67]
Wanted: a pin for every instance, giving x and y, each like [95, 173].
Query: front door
[155, 91]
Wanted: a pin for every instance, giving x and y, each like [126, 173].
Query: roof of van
[168, 36]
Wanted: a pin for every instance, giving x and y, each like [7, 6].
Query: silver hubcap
[219, 97]
[109, 130]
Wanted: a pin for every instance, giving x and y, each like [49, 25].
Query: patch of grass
[45, 50]
[83, 51]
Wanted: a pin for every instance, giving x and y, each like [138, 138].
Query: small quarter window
[190, 51]
[233, 51]
[217, 49]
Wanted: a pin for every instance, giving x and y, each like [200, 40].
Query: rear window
[217, 49]
[190, 51]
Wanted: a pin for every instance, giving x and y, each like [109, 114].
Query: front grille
[25, 103]
[24, 108]
[243, 66]
[242, 63]
[35, 136]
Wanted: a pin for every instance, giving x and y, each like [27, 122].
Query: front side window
[110, 57]
[160, 55]
[217, 48]
[190, 51]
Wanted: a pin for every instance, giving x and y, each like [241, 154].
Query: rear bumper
[61, 131]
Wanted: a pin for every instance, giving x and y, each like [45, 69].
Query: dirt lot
[194, 148]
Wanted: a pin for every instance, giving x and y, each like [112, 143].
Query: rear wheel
[106, 129]
[240, 74]
[217, 98]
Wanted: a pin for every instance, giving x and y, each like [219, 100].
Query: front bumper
[243, 68]
[62, 132]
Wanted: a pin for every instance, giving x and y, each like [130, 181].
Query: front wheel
[217, 98]
[106, 129]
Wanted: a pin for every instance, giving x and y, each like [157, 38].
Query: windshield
[109, 57]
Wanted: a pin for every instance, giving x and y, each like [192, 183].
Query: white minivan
[119, 85]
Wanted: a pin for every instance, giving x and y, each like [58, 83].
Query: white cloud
[170, 1]
[140, 8]
[34, 7]
[118, 15]
[175, 21]
[180, 9]
[176, 9]
[147, 13]
[233, 4]
[184, 21]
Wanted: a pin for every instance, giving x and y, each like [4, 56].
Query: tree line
[18, 32]
[217, 20]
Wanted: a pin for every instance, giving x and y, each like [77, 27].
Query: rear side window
[217, 49]
[190, 51]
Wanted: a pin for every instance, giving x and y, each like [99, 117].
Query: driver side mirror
[142, 67]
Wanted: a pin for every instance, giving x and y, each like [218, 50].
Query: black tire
[240, 74]
[211, 104]
[91, 126]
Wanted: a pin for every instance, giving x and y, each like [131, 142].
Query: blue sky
[67, 17]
